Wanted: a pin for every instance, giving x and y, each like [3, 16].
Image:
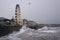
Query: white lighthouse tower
[17, 14]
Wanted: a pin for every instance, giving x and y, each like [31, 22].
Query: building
[17, 19]
[17, 14]
[4, 21]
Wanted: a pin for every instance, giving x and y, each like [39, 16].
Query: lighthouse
[17, 15]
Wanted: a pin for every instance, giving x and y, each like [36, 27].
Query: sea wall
[5, 30]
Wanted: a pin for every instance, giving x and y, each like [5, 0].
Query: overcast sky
[41, 11]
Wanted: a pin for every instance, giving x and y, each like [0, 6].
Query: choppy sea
[45, 33]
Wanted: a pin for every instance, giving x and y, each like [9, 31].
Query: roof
[31, 23]
[2, 18]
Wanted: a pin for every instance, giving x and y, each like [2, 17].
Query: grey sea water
[45, 33]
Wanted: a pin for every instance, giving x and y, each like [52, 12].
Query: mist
[40, 11]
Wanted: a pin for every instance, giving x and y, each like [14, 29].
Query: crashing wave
[44, 28]
[13, 36]
[29, 32]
